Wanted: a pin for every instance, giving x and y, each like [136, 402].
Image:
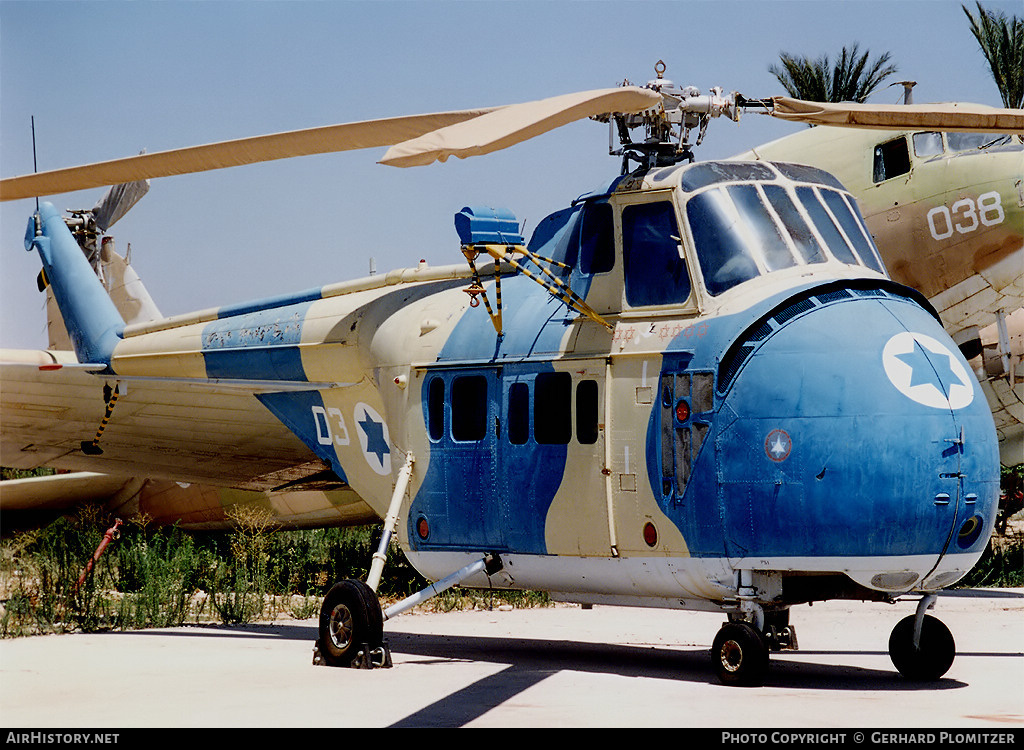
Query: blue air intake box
[482, 225]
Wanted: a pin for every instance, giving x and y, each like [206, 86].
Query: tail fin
[91, 318]
[129, 294]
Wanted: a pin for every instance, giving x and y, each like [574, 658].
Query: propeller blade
[954, 116]
[320, 140]
[516, 123]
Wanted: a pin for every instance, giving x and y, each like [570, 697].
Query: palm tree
[851, 79]
[1002, 42]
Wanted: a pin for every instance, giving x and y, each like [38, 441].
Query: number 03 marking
[965, 216]
[330, 426]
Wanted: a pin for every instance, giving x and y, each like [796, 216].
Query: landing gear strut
[921, 646]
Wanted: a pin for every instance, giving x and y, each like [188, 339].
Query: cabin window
[518, 413]
[597, 239]
[653, 258]
[469, 408]
[552, 408]
[891, 159]
[435, 408]
[927, 144]
[586, 412]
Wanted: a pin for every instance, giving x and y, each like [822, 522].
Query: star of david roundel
[373, 438]
[778, 445]
[926, 371]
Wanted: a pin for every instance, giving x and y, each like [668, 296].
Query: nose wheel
[740, 655]
[926, 658]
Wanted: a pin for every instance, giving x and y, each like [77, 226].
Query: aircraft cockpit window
[891, 159]
[927, 144]
[597, 238]
[827, 228]
[800, 232]
[975, 141]
[853, 228]
[804, 173]
[654, 263]
[775, 253]
[708, 173]
[724, 239]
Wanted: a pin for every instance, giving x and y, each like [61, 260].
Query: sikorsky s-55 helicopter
[694, 387]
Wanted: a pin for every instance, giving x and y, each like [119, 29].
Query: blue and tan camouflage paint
[811, 459]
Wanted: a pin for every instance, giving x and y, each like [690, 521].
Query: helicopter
[695, 387]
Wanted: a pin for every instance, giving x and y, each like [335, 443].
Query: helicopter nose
[857, 440]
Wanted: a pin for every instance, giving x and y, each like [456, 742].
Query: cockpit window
[742, 231]
[721, 235]
[827, 228]
[804, 173]
[927, 144]
[800, 232]
[765, 233]
[708, 173]
[653, 259]
[972, 141]
[891, 159]
[853, 229]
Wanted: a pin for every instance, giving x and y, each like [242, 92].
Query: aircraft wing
[160, 429]
[59, 491]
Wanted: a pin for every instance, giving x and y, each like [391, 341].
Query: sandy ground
[546, 667]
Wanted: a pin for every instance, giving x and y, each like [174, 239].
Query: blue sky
[105, 79]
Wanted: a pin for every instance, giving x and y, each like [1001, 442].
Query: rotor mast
[668, 130]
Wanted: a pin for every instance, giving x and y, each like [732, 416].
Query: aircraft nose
[855, 438]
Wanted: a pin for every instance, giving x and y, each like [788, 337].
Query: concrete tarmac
[562, 666]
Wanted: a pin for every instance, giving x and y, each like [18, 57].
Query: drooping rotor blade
[116, 202]
[954, 116]
[320, 140]
[517, 123]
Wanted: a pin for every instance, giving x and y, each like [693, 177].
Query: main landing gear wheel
[740, 655]
[351, 627]
[931, 659]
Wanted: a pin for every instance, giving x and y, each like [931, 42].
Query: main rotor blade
[320, 140]
[516, 123]
[956, 116]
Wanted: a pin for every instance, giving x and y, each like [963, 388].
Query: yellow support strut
[555, 286]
